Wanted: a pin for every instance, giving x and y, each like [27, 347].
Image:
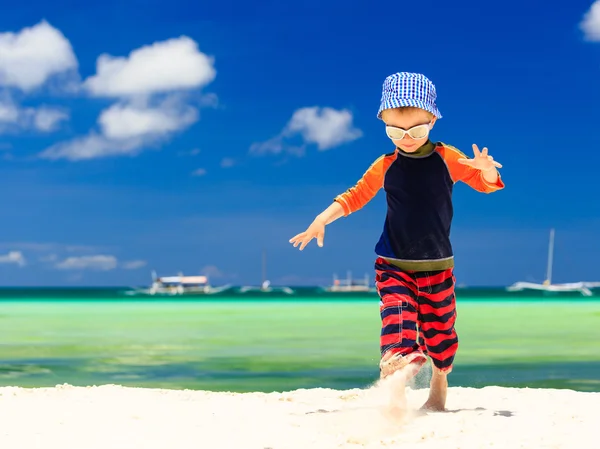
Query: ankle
[441, 372]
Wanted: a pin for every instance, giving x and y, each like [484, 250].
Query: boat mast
[264, 266]
[550, 258]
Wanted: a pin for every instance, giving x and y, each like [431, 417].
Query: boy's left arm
[479, 172]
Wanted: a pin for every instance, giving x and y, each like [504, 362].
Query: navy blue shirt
[418, 187]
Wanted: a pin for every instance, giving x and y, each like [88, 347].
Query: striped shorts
[418, 312]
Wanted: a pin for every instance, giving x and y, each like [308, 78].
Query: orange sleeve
[469, 175]
[367, 187]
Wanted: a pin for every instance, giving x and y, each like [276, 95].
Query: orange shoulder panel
[367, 187]
[469, 175]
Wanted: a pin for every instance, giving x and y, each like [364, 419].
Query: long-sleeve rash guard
[418, 186]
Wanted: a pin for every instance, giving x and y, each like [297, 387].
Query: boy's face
[407, 119]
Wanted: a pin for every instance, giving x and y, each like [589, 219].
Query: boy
[414, 265]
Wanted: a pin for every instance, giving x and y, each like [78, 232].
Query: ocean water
[258, 342]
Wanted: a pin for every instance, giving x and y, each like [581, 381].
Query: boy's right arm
[344, 204]
[367, 187]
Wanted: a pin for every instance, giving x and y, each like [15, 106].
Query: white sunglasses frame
[407, 131]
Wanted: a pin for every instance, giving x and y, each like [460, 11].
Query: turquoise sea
[262, 342]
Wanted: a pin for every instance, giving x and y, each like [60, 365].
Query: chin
[411, 149]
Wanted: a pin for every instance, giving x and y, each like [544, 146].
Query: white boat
[180, 285]
[547, 286]
[350, 285]
[265, 286]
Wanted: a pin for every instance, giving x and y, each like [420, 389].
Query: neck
[424, 150]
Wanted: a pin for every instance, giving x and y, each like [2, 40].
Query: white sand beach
[116, 417]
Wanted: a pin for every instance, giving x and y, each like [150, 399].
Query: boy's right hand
[315, 230]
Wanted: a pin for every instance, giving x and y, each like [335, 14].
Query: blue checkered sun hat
[408, 89]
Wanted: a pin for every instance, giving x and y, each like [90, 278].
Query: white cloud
[13, 257]
[199, 172]
[44, 118]
[126, 121]
[151, 106]
[128, 129]
[96, 262]
[48, 119]
[92, 146]
[276, 145]
[133, 264]
[165, 66]
[590, 24]
[227, 162]
[50, 253]
[30, 57]
[325, 127]
[9, 113]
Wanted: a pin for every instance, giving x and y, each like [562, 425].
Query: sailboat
[547, 286]
[265, 286]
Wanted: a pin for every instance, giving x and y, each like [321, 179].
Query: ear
[433, 120]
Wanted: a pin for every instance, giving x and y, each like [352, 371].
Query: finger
[298, 241]
[297, 236]
[305, 242]
[476, 150]
[320, 237]
[494, 163]
[464, 161]
[484, 152]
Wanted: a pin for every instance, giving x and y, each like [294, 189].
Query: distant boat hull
[265, 287]
[349, 289]
[579, 287]
[168, 291]
[272, 290]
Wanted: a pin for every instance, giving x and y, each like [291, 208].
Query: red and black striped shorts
[418, 312]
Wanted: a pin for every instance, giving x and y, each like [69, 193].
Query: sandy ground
[115, 417]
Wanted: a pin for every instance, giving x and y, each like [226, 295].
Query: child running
[414, 266]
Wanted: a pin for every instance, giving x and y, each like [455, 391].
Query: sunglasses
[416, 132]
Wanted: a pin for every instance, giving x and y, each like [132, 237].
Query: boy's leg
[437, 307]
[398, 308]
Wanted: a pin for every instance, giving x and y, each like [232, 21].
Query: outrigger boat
[180, 285]
[350, 285]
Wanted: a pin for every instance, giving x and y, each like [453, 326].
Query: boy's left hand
[481, 161]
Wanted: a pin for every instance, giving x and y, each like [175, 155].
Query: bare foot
[395, 384]
[391, 363]
[395, 371]
[438, 392]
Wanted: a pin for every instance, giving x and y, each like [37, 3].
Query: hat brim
[392, 103]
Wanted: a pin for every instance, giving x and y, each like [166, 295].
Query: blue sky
[189, 136]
